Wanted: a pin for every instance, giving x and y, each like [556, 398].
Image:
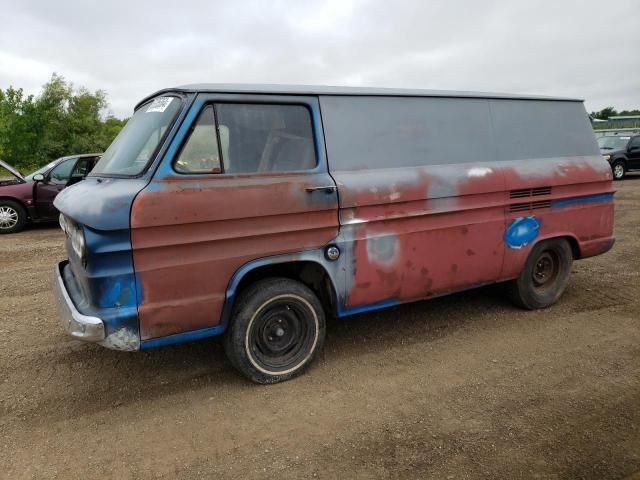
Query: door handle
[325, 188]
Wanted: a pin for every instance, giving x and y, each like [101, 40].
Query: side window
[634, 143]
[200, 153]
[265, 138]
[82, 168]
[62, 172]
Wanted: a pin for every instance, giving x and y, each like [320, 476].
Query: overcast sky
[586, 49]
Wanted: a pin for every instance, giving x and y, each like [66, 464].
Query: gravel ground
[466, 386]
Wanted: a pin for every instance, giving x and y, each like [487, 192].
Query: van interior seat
[287, 152]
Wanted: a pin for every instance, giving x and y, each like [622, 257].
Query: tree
[61, 120]
[605, 113]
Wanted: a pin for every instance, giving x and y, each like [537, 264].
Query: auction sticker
[160, 104]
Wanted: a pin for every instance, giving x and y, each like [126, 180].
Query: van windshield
[136, 144]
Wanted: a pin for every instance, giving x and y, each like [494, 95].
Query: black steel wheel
[545, 275]
[545, 271]
[277, 327]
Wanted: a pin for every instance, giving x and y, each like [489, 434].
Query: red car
[30, 199]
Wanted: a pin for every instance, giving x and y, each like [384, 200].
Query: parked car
[25, 199]
[622, 152]
[255, 211]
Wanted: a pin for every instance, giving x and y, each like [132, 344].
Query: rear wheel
[13, 216]
[545, 275]
[618, 170]
[277, 328]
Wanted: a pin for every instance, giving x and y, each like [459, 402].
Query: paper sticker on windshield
[160, 104]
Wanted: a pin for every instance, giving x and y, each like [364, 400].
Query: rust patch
[223, 222]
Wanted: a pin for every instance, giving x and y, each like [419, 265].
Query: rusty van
[254, 212]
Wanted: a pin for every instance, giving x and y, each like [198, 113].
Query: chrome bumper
[82, 327]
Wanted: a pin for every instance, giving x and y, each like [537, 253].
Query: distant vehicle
[622, 153]
[255, 211]
[25, 199]
[624, 132]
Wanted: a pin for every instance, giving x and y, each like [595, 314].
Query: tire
[13, 216]
[545, 275]
[619, 170]
[277, 328]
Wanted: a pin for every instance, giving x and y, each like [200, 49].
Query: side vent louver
[530, 192]
[540, 191]
[522, 207]
[523, 192]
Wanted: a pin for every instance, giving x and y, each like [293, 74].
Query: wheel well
[575, 247]
[311, 274]
[18, 201]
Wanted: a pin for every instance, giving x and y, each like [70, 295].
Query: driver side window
[61, 173]
[634, 143]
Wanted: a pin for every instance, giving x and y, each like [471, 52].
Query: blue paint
[182, 337]
[102, 204]
[601, 197]
[367, 308]
[107, 286]
[522, 231]
[114, 318]
[112, 294]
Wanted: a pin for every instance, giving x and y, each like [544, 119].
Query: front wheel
[13, 216]
[545, 275]
[618, 170]
[278, 326]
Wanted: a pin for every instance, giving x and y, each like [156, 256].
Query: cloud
[130, 49]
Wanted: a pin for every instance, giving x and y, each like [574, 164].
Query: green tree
[629, 113]
[605, 113]
[61, 120]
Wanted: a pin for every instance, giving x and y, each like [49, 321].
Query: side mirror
[38, 177]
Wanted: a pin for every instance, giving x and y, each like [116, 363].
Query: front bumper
[78, 325]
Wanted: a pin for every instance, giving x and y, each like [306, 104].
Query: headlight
[606, 157]
[75, 234]
[63, 224]
[77, 241]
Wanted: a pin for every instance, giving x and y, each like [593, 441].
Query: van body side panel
[439, 195]
[421, 199]
[191, 233]
[405, 242]
[577, 203]
[557, 182]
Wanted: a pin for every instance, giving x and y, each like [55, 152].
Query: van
[255, 212]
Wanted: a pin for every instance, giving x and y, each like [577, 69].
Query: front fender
[331, 268]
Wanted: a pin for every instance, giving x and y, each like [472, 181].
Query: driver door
[47, 190]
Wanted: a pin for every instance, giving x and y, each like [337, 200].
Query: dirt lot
[466, 386]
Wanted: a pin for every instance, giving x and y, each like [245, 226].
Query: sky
[586, 49]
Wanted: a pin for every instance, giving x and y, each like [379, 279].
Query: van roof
[331, 90]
